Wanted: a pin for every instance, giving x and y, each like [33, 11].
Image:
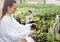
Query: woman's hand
[33, 27]
[23, 40]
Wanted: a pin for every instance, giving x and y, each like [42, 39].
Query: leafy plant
[45, 14]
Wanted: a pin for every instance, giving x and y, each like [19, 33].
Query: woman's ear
[8, 7]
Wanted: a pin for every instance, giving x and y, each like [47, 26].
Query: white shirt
[12, 31]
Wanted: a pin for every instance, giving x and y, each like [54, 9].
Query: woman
[10, 29]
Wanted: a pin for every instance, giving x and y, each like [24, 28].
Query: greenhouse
[43, 17]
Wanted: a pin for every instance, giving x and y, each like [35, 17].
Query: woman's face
[12, 9]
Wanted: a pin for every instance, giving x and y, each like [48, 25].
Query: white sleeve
[23, 27]
[12, 32]
[26, 27]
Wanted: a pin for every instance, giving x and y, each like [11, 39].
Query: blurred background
[57, 2]
[44, 13]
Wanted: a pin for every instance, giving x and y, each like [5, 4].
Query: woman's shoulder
[5, 18]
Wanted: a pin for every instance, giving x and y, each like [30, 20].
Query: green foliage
[46, 10]
[45, 16]
[43, 11]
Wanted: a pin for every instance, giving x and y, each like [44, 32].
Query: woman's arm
[26, 27]
[12, 32]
